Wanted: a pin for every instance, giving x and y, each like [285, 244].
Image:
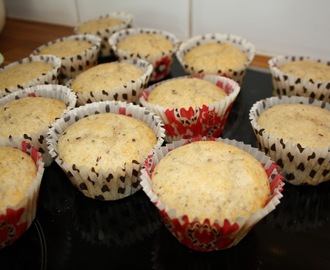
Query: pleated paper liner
[161, 62]
[54, 91]
[241, 43]
[298, 165]
[16, 219]
[50, 77]
[201, 235]
[130, 91]
[75, 64]
[289, 85]
[208, 120]
[105, 33]
[124, 181]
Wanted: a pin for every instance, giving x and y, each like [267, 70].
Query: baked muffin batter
[145, 44]
[23, 73]
[105, 141]
[307, 70]
[298, 123]
[105, 76]
[211, 180]
[18, 171]
[185, 93]
[215, 57]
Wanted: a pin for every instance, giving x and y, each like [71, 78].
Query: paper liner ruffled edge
[175, 129]
[50, 77]
[161, 62]
[56, 91]
[17, 219]
[73, 65]
[298, 165]
[125, 182]
[241, 43]
[104, 34]
[221, 234]
[289, 85]
[128, 92]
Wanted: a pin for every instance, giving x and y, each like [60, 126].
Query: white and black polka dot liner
[289, 85]
[299, 165]
[241, 43]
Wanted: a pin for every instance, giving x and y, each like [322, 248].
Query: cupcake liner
[104, 34]
[290, 85]
[124, 181]
[55, 91]
[117, 225]
[209, 121]
[161, 62]
[201, 235]
[297, 164]
[16, 219]
[73, 65]
[50, 77]
[244, 45]
[128, 92]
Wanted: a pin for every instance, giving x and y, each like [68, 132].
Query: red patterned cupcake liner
[15, 220]
[202, 235]
[208, 120]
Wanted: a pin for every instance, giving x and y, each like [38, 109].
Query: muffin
[192, 106]
[21, 173]
[295, 133]
[27, 114]
[119, 80]
[300, 76]
[155, 46]
[221, 187]
[220, 54]
[101, 146]
[29, 71]
[77, 53]
[103, 27]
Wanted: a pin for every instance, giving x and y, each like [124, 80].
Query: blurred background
[299, 27]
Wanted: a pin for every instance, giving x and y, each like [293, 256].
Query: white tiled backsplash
[299, 27]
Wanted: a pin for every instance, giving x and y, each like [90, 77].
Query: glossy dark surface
[75, 232]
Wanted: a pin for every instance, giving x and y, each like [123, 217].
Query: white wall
[298, 27]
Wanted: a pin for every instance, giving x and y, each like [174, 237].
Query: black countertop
[75, 232]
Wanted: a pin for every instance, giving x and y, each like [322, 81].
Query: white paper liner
[243, 225]
[16, 219]
[55, 91]
[161, 62]
[124, 182]
[297, 164]
[290, 85]
[73, 65]
[185, 124]
[50, 77]
[241, 43]
[104, 34]
[128, 92]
